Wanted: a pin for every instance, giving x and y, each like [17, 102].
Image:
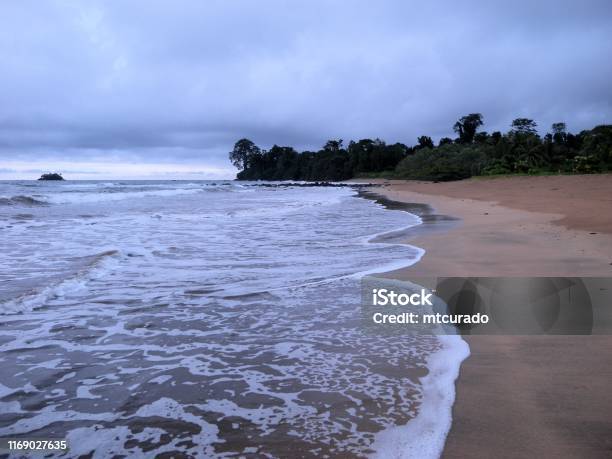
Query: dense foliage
[519, 151]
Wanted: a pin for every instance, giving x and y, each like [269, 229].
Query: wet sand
[527, 396]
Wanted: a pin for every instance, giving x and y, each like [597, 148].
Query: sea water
[199, 319]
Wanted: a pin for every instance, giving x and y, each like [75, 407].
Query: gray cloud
[179, 82]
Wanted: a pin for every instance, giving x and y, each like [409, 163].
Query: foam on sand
[424, 436]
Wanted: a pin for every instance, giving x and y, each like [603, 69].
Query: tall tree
[559, 128]
[559, 133]
[425, 142]
[243, 153]
[524, 126]
[467, 126]
[333, 146]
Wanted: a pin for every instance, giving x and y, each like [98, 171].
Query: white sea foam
[236, 308]
[30, 300]
[424, 436]
[93, 197]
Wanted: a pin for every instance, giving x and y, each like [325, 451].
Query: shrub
[445, 163]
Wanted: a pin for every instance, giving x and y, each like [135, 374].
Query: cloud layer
[171, 85]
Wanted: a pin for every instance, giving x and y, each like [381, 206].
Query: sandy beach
[538, 396]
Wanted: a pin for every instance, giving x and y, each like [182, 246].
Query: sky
[152, 89]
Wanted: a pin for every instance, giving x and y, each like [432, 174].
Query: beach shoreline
[520, 396]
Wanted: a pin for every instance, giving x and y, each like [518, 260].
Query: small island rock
[51, 176]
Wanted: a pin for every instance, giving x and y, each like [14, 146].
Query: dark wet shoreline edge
[432, 222]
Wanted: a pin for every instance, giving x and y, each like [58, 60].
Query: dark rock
[51, 176]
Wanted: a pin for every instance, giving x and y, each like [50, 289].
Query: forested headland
[473, 152]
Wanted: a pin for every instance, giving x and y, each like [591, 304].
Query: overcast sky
[138, 89]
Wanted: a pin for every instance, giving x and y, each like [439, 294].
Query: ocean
[203, 319]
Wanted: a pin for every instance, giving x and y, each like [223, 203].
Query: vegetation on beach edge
[520, 151]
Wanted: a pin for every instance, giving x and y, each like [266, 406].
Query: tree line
[521, 150]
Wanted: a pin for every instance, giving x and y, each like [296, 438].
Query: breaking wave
[22, 200]
[87, 268]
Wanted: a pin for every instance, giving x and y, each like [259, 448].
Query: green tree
[467, 126]
[524, 126]
[333, 146]
[244, 153]
[361, 155]
[496, 137]
[559, 135]
[425, 142]
[559, 128]
[597, 148]
[448, 162]
[481, 137]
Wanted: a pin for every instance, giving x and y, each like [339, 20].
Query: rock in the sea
[51, 176]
